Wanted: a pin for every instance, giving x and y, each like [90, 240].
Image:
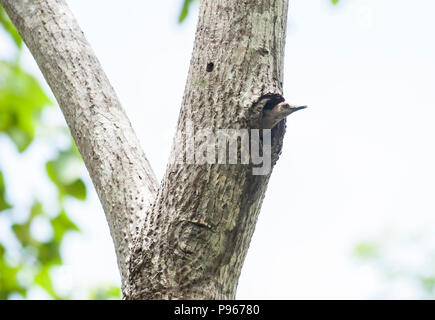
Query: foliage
[22, 102]
[105, 293]
[185, 10]
[401, 259]
[3, 203]
[10, 28]
[31, 261]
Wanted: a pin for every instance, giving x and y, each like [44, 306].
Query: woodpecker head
[284, 109]
[272, 116]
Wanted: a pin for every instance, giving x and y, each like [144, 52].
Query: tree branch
[189, 237]
[121, 174]
[198, 230]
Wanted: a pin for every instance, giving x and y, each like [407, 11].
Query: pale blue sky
[356, 164]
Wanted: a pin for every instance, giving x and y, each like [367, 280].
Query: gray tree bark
[188, 237]
[120, 172]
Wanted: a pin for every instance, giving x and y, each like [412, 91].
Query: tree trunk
[189, 237]
[121, 174]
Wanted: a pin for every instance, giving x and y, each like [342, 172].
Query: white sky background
[358, 163]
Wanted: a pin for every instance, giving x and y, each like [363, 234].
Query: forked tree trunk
[188, 237]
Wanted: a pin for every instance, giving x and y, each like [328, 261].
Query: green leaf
[105, 293]
[10, 28]
[3, 203]
[334, 1]
[77, 189]
[8, 277]
[42, 255]
[428, 283]
[21, 138]
[43, 279]
[21, 103]
[36, 209]
[60, 170]
[367, 250]
[185, 10]
[22, 230]
[74, 150]
[64, 171]
[61, 225]
[49, 253]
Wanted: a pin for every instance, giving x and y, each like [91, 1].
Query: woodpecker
[272, 116]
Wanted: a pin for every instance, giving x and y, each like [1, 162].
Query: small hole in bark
[210, 66]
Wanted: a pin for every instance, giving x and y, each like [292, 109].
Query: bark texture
[189, 237]
[120, 172]
[198, 230]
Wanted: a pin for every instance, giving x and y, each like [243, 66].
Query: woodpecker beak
[298, 108]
